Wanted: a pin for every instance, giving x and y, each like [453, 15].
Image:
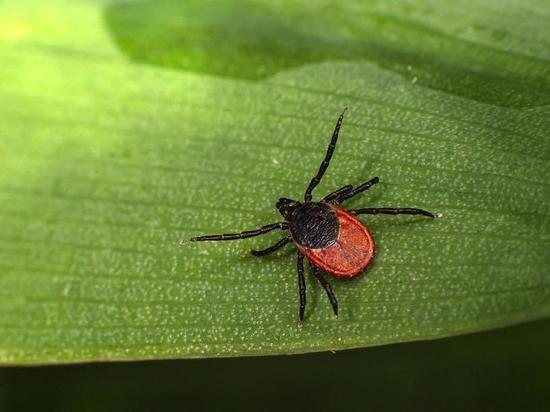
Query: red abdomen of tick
[350, 254]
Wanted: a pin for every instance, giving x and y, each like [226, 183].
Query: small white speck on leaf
[66, 290]
[414, 79]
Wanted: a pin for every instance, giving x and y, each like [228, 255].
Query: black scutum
[314, 225]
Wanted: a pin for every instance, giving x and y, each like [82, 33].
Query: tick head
[286, 207]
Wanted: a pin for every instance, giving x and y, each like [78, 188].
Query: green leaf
[128, 126]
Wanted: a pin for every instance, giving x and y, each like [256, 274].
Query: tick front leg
[241, 235]
[301, 285]
[272, 248]
[392, 211]
[326, 161]
[327, 287]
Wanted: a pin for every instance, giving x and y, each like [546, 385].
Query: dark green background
[504, 369]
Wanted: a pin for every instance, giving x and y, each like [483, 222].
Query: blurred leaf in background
[505, 369]
[127, 126]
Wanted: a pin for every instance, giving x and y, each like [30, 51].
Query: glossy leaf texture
[128, 126]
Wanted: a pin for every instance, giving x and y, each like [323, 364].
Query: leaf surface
[113, 151]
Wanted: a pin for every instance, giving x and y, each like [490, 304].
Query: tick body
[330, 237]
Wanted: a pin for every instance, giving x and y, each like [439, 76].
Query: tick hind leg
[392, 211]
[301, 284]
[327, 287]
[272, 248]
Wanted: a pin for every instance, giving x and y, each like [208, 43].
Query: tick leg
[327, 287]
[392, 211]
[301, 285]
[324, 164]
[241, 235]
[272, 248]
[337, 193]
[361, 188]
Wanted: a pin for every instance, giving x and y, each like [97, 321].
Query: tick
[331, 238]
